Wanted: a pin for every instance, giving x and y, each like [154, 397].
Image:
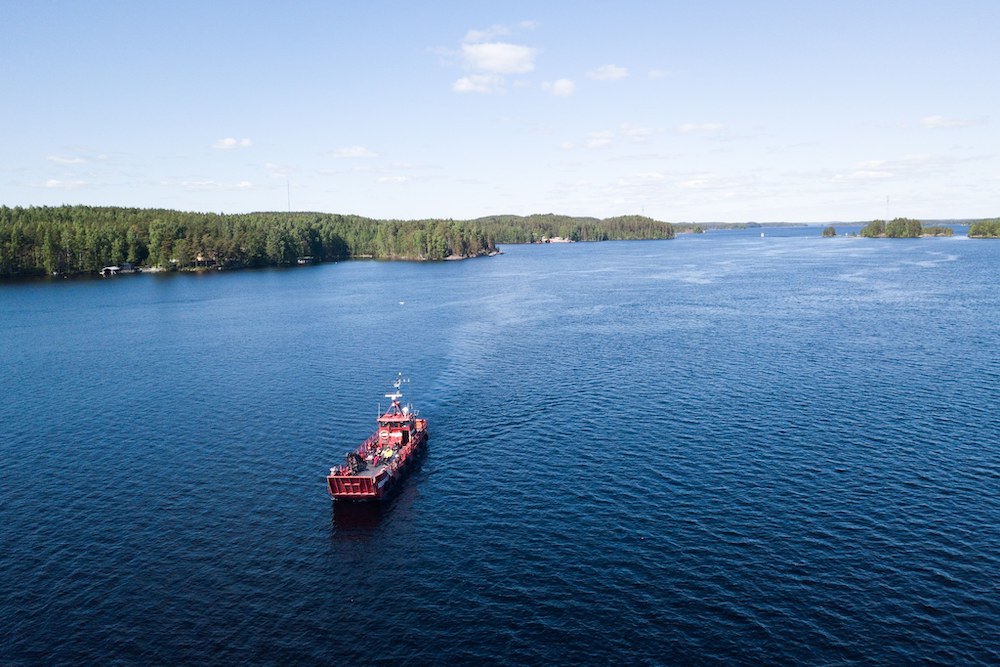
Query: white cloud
[866, 170]
[933, 122]
[636, 133]
[352, 152]
[608, 73]
[721, 185]
[65, 159]
[700, 127]
[215, 185]
[642, 178]
[863, 175]
[600, 139]
[489, 60]
[914, 166]
[492, 32]
[479, 83]
[499, 57]
[695, 183]
[496, 30]
[606, 138]
[63, 185]
[559, 87]
[657, 73]
[869, 165]
[278, 170]
[393, 179]
[230, 143]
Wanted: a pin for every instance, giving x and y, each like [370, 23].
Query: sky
[804, 111]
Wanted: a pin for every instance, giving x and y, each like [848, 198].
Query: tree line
[983, 229]
[903, 228]
[83, 239]
[536, 228]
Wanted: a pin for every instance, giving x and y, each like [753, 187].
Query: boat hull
[372, 487]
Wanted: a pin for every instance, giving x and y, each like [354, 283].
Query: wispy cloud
[642, 178]
[496, 30]
[56, 184]
[66, 159]
[487, 34]
[637, 133]
[687, 128]
[600, 139]
[707, 181]
[608, 73]
[559, 87]
[393, 179]
[278, 170]
[479, 83]
[934, 122]
[863, 175]
[210, 185]
[905, 167]
[657, 73]
[76, 157]
[229, 143]
[867, 170]
[353, 152]
[695, 183]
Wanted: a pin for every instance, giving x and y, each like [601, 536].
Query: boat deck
[370, 471]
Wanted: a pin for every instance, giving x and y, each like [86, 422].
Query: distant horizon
[522, 215]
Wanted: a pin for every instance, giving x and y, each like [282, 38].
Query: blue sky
[683, 111]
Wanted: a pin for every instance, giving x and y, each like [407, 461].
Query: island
[985, 229]
[75, 240]
[903, 228]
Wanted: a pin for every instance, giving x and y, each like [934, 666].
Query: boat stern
[356, 487]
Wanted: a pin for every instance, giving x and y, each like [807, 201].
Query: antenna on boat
[396, 394]
[399, 381]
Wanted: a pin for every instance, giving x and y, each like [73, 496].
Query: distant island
[79, 240]
[985, 229]
[702, 227]
[903, 228]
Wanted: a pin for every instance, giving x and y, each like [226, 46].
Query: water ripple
[707, 450]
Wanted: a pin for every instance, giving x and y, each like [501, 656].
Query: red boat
[380, 462]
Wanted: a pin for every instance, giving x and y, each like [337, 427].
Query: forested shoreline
[903, 228]
[69, 240]
[985, 229]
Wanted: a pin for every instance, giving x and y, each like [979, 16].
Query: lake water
[722, 448]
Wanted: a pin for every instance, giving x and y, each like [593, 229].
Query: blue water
[717, 449]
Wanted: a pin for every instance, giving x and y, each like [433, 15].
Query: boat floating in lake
[372, 470]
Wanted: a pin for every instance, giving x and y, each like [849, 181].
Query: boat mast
[395, 395]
